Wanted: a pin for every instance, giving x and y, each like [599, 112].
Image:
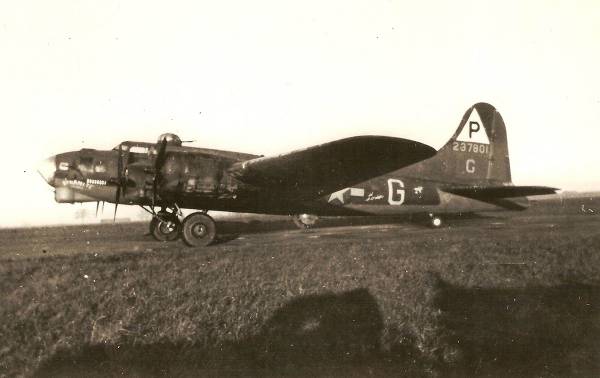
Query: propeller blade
[161, 158]
[161, 155]
[154, 192]
[97, 206]
[119, 181]
[117, 199]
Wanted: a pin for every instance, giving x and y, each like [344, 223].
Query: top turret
[172, 139]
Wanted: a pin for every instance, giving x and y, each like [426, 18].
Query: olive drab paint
[476, 157]
[353, 176]
[477, 153]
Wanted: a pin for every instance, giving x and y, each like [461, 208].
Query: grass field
[517, 299]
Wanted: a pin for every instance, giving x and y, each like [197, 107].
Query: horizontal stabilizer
[323, 169]
[497, 192]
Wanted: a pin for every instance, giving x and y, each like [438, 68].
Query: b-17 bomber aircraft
[363, 175]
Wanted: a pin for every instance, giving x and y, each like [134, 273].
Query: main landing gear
[165, 226]
[197, 229]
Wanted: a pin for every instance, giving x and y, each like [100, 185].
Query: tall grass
[385, 306]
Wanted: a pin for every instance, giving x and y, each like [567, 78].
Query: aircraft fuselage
[363, 175]
[198, 179]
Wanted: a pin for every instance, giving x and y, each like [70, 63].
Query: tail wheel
[305, 221]
[198, 230]
[436, 221]
[166, 227]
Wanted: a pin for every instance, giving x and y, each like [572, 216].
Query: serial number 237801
[470, 147]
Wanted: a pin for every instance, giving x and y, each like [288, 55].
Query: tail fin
[477, 153]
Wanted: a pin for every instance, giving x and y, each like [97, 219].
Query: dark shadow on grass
[535, 331]
[320, 335]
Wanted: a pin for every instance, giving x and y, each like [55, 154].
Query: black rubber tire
[198, 230]
[161, 231]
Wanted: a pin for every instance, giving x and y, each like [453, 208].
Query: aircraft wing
[316, 171]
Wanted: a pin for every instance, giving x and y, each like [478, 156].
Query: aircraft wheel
[436, 221]
[165, 228]
[198, 230]
[305, 221]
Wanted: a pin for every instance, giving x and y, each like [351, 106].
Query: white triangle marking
[473, 130]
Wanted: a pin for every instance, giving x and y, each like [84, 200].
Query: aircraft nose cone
[47, 168]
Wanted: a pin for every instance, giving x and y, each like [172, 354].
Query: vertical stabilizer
[477, 153]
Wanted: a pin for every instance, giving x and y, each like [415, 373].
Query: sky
[267, 77]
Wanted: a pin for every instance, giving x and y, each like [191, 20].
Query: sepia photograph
[381, 188]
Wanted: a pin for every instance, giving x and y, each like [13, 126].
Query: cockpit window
[139, 149]
[99, 167]
[124, 147]
[86, 164]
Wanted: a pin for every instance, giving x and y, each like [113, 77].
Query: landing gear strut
[198, 230]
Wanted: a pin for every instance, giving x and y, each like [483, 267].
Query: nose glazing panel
[47, 168]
